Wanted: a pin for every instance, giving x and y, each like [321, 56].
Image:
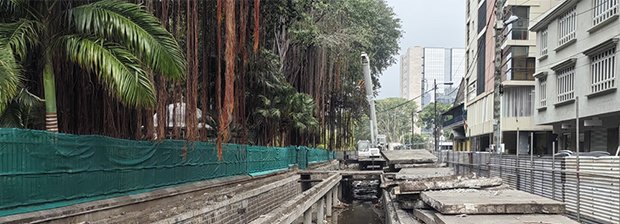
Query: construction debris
[503, 219]
[429, 193]
[422, 173]
[416, 156]
[490, 202]
[449, 182]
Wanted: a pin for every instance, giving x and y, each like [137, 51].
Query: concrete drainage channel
[332, 197]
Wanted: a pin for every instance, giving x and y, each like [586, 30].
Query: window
[603, 71]
[516, 64]
[481, 66]
[566, 84]
[482, 16]
[471, 91]
[566, 27]
[603, 10]
[518, 30]
[517, 101]
[543, 42]
[542, 92]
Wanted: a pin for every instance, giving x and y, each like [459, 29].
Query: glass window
[517, 64]
[482, 16]
[603, 10]
[565, 84]
[603, 71]
[567, 25]
[518, 30]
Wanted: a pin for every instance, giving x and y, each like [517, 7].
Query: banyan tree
[243, 71]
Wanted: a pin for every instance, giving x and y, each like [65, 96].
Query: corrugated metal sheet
[598, 183]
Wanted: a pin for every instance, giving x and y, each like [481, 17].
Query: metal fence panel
[598, 184]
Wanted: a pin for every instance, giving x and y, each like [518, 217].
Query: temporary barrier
[44, 169]
[590, 188]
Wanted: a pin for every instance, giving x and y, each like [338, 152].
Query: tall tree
[427, 116]
[394, 117]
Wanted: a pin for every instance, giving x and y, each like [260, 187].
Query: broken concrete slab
[427, 216]
[504, 219]
[394, 214]
[405, 217]
[469, 201]
[419, 165]
[423, 173]
[449, 182]
[412, 204]
[408, 156]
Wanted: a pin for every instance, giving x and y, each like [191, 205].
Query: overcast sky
[426, 23]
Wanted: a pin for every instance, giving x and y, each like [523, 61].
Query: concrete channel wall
[590, 188]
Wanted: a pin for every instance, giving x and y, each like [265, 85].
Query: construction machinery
[368, 152]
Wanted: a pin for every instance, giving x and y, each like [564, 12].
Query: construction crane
[368, 152]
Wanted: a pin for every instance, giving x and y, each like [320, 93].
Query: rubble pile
[436, 195]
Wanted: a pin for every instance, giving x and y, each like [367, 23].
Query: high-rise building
[420, 66]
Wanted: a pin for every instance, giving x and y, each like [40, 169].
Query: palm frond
[10, 75]
[116, 67]
[130, 25]
[21, 111]
[21, 36]
[10, 6]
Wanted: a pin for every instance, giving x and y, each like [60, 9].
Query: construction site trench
[411, 189]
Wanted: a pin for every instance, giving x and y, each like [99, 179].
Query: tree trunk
[49, 88]
[229, 81]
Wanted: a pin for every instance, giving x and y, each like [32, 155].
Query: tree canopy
[262, 72]
[393, 120]
[427, 116]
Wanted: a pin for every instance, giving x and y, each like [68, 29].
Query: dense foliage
[394, 119]
[261, 72]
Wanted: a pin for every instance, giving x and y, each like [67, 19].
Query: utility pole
[435, 118]
[412, 127]
[499, 25]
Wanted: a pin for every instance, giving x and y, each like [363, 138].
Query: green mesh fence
[39, 169]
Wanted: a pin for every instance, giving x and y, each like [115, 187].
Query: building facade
[577, 74]
[517, 127]
[445, 65]
[420, 66]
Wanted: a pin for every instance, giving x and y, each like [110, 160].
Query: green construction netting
[39, 168]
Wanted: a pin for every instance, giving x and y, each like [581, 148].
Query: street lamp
[435, 105]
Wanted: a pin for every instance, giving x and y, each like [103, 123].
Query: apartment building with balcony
[517, 86]
[577, 74]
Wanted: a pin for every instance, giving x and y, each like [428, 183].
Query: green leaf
[21, 36]
[10, 76]
[133, 27]
[117, 68]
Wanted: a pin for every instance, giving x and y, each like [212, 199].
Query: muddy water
[359, 212]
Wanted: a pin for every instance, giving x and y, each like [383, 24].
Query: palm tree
[120, 42]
